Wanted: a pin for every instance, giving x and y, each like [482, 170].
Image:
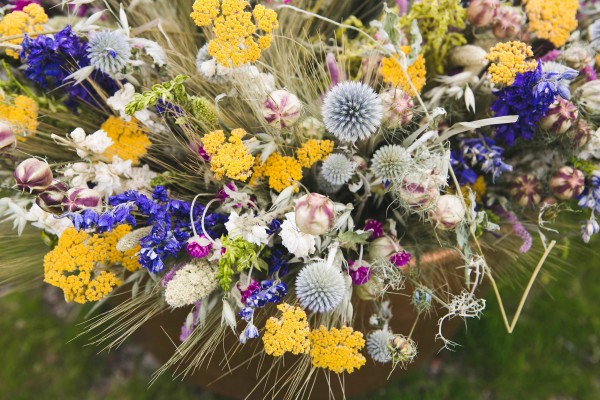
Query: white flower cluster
[191, 283]
[298, 243]
[112, 178]
[251, 228]
[87, 145]
[119, 101]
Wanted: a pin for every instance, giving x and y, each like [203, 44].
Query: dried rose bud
[314, 214]
[481, 12]
[383, 248]
[51, 199]
[526, 190]
[567, 183]
[447, 212]
[581, 134]
[33, 175]
[281, 109]
[398, 108]
[507, 22]
[78, 199]
[8, 140]
[560, 116]
[417, 196]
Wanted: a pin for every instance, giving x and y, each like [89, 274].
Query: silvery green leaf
[80, 75]
[88, 24]
[149, 287]
[472, 125]
[203, 312]
[415, 43]
[228, 316]
[189, 320]
[283, 198]
[391, 26]
[123, 20]
[152, 49]
[462, 236]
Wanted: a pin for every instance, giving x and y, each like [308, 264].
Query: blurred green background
[554, 352]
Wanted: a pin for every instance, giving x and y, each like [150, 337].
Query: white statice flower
[78, 136]
[592, 148]
[139, 178]
[47, 221]
[298, 243]
[109, 177]
[79, 174]
[98, 142]
[191, 283]
[250, 228]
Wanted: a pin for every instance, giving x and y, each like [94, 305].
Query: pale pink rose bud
[51, 199]
[33, 175]
[383, 247]
[281, 109]
[447, 212]
[398, 108]
[418, 196]
[78, 199]
[581, 134]
[314, 214]
[567, 183]
[8, 141]
[560, 116]
[481, 12]
[361, 163]
[507, 22]
[526, 190]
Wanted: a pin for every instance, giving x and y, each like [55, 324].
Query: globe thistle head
[109, 51]
[390, 162]
[320, 287]
[337, 169]
[326, 187]
[378, 345]
[352, 111]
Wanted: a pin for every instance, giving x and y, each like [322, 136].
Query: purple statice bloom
[518, 228]
[589, 73]
[19, 5]
[529, 97]
[552, 55]
[49, 60]
[359, 274]
[400, 258]
[248, 290]
[375, 227]
[186, 330]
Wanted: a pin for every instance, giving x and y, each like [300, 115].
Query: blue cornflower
[529, 97]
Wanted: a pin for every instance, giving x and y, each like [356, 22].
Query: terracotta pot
[243, 381]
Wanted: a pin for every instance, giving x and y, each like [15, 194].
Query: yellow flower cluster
[313, 151]
[79, 264]
[337, 349]
[282, 171]
[130, 142]
[288, 333]
[237, 40]
[479, 188]
[508, 59]
[228, 158]
[30, 20]
[392, 73]
[21, 114]
[552, 19]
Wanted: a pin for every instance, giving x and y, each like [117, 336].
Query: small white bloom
[120, 99]
[298, 243]
[47, 221]
[98, 142]
[191, 283]
[78, 136]
[248, 227]
[109, 176]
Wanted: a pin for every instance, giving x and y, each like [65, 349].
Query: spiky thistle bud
[337, 169]
[320, 287]
[109, 51]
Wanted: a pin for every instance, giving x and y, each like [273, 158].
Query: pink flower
[400, 258]
[359, 274]
[199, 246]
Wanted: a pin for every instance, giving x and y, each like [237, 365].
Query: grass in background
[554, 353]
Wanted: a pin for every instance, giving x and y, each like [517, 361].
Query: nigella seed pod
[398, 108]
[403, 349]
[33, 175]
[526, 190]
[507, 22]
[577, 57]
[481, 12]
[8, 140]
[560, 116]
[51, 199]
[78, 199]
[281, 109]
[567, 183]
[383, 248]
[589, 96]
[448, 212]
[418, 196]
[314, 214]
[581, 134]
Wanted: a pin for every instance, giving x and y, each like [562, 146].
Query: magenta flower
[359, 274]
[400, 258]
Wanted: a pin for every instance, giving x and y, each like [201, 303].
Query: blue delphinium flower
[479, 152]
[590, 197]
[49, 60]
[269, 292]
[529, 97]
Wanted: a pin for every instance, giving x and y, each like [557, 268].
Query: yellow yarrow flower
[288, 333]
[21, 113]
[81, 263]
[337, 349]
[508, 59]
[313, 151]
[552, 19]
[30, 20]
[229, 158]
[392, 73]
[479, 188]
[281, 171]
[130, 141]
[239, 35]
